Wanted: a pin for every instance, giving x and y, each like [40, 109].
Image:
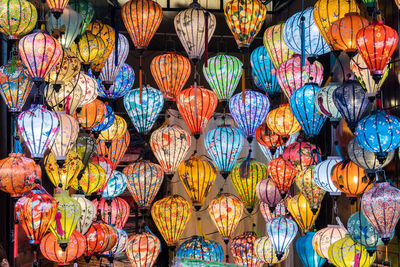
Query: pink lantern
[114, 212]
[143, 249]
[268, 193]
[280, 210]
[301, 154]
[243, 250]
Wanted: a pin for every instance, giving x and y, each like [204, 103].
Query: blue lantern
[200, 249]
[122, 85]
[281, 231]
[106, 123]
[116, 185]
[379, 133]
[264, 71]
[308, 256]
[314, 43]
[304, 109]
[224, 145]
[144, 112]
[251, 113]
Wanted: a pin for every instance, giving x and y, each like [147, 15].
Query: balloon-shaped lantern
[62, 176]
[115, 212]
[116, 150]
[266, 138]
[85, 146]
[93, 178]
[89, 49]
[264, 70]
[306, 252]
[65, 70]
[95, 239]
[323, 100]
[322, 176]
[275, 46]
[268, 193]
[282, 121]
[282, 174]
[115, 186]
[92, 114]
[17, 18]
[120, 246]
[265, 251]
[123, 83]
[281, 231]
[200, 248]
[243, 250]
[325, 237]
[89, 88]
[106, 123]
[300, 210]
[88, 213]
[143, 249]
[301, 154]
[68, 98]
[307, 186]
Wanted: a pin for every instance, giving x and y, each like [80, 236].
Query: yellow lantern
[324, 238]
[94, 177]
[301, 211]
[171, 215]
[67, 98]
[67, 216]
[275, 46]
[89, 49]
[197, 175]
[116, 130]
[65, 70]
[88, 213]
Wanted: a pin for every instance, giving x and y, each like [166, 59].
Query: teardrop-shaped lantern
[67, 98]
[281, 231]
[92, 114]
[116, 150]
[323, 100]
[265, 251]
[17, 18]
[282, 174]
[275, 46]
[85, 146]
[301, 154]
[322, 176]
[199, 248]
[114, 212]
[115, 186]
[89, 88]
[62, 176]
[264, 70]
[86, 10]
[65, 70]
[301, 211]
[88, 213]
[93, 178]
[325, 237]
[243, 250]
[89, 49]
[143, 249]
[123, 83]
[268, 193]
[306, 252]
[95, 239]
[282, 121]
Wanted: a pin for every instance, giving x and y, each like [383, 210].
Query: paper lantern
[88, 213]
[122, 84]
[345, 251]
[223, 74]
[291, 75]
[265, 138]
[93, 178]
[264, 70]
[144, 179]
[199, 248]
[282, 174]
[265, 251]
[62, 176]
[89, 49]
[190, 26]
[142, 28]
[67, 98]
[225, 211]
[85, 146]
[92, 114]
[115, 186]
[282, 121]
[250, 112]
[322, 176]
[89, 88]
[293, 36]
[325, 237]
[65, 70]
[86, 10]
[106, 123]
[143, 249]
[300, 210]
[275, 46]
[243, 250]
[281, 231]
[116, 130]
[301, 154]
[116, 150]
[18, 174]
[95, 239]
[18, 18]
[171, 215]
[268, 193]
[280, 210]
[15, 85]
[323, 100]
[381, 205]
[224, 145]
[170, 145]
[170, 71]
[369, 44]
[114, 212]
[120, 246]
[143, 107]
[245, 181]
[196, 105]
[306, 252]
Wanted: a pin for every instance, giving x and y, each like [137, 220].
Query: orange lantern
[114, 212]
[265, 138]
[282, 121]
[111, 238]
[92, 114]
[95, 240]
[143, 249]
[282, 174]
[301, 154]
[116, 150]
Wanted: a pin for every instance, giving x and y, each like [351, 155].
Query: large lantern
[282, 174]
[92, 114]
[89, 49]
[323, 100]
[264, 70]
[306, 252]
[114, 212]
[106, 123]
[325, 237]
[200, 248]
[17, 18]
[301, 154]
[85, 146]
[143, 107]
[322, 176]
[68, 98]
[307, 186]
[143, 249]
[144, 179]
[300, 210]
[243, 250]
[265, 251]
[62, 176]
[268, 193]
[275, 46]
[88, 213]
[196, 105]
[93, 178]
[86, 10]
[170, 71]
[116, 150]
[115, 186]
[282, 121]
[65, 70]
[226, 211]
[281, 231]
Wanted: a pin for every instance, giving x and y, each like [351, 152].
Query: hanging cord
[140, 77]
[206, 16]
[243, 78]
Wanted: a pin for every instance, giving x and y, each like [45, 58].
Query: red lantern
[116, 150]
[114, 212]
[268, 139]
[282, 174]
[301, 155]
[95, 240]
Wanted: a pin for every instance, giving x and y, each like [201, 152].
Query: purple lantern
[268, 193]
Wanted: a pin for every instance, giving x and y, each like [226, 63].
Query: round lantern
[223, 74]
[282, 121]
[143, 249]
[265, 138]
[93, 178]
[106, 123]
[243, 250]
[86, 10]
[88, 213]
[89, 49]
[300, 210]
[144, 179]
[268, 193]
[301, 154]
[116, 130]
[280, 210]
[282, 174]
[325, 237]
[170, 71]
[65, 70]
[85, 146]
[265, 251]
[115, 186]
[119, 247]
[116, 150]
[281, 231]
[275, 46]
[67, 98]
[322, 176]
[199, 248]
[264, 70]
[111, 238]
[306, 252]
[114, 212]
[89, 88]
[17, 18]
[171, 215]
[224, 145]
[143, 107]
[225, 211]
[323, 100]
[92, 114]
[62, 176]
[95, 239]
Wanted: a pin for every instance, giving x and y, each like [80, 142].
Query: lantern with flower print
[88, 213]
[325, 237]
[106, 123]
[301, 154]
[199, 248]
[116, 130]
[115, 186]
[282, 174]
[282, 121]
[116, 150]
[68, 98]
[89, 49]
[95, 239]
[114, 212]
[143, 249]
[62, 176]
[265, 138]
[268, 193]
[57, 7]
[280, 210]
[275, 46]
[322, 176]
[281, 231]
[93, 178]
[119, 247]
[86, 10]
[89, 88]
[122, 84]
[65, 70]
[243, 250]
[300, 210]
[264, 70]
[323, 101]
[92, 114]
[265, 251]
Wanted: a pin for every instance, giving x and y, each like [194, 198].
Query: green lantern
[85, 8]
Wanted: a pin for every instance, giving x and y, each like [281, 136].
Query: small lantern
[92, 114]
[243, 250]
[282, 174]
[323, 101]
[264, 70]
[322, 176]
[86, 10]
[89, 49]
[62, 176]
[67, 98]
[93, 178]
[89, 88]
[115, 186]
[114, 212]
[301, 154]
[282, 121]
[268, 193]
[123, 83]
[65, 70]
[85, 146]
[143, 249]
[199, 248]
[265, 251]
[116, 150]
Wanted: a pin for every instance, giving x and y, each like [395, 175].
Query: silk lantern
[282, 121]
[268, 193]
[107, 166]
[116, 150]
[89, 88]
[114, 212]
[18, 18]
[267, 139]
[95, 240]
[116, 130]
[85, 147]
[123, 83]
[282, 174]
[300, 210]
[62, 176]
[306, 252]
[106, 123]
[264, 70]
[325, 237]
[301, 154]
[111, 238]
[93, 178]
[322, 176]
[243, 250]
[275, 46]
[57, 7]
[143, 249]
[86, 10]
[281, 231]
[115, 186]
[119, 247]
[92, 114]
[323, 100]
[265, 251]
[65, 70]
[88, 213]
[67, 98]
[199, 248]
[89, 49]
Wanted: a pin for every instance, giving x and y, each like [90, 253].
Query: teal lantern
[264, 71]
[308, 256]
[200, 248]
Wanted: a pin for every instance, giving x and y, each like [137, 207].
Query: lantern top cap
[377, 22]
[14, 155]
[195, 5]
[351, 13]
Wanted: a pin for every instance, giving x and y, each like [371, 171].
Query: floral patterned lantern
[265, 138]
[67, 98]
[301, 154]
[307, 186]
[89, 49]
[115, 186]
[322, 176]
[122, 85]
[65, 70]
[275, 46]
[110, 240]
[282, 121]
[325, 237]
[306, 252]
[282, 174]
[18, 17]
[95, 239]
[280, 210]
[88, 213]
[264, 70]
[93, 178]
[300, 210]
[281, 231]
[143, 249]
[114, 212]
[62, 176]
[199, 248]
[243, 250]
[116, 150]
[323, 100]
[106, 123]
[265, 251]
[92, 114]
[89, 88]
[86, 10]
[268, 193]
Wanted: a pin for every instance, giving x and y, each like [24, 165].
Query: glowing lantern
[15, 85]
[323, 100]
[282, 174]
[301, 154]
[17, 18]
[226, 211]
[85, 146]
[143, 249]
[376, 44]
[192, 25]
[115, 186]
[111, 238]
[346, 253]
[66, 69]
[116, 130]
[322, 176]
[268, 193]
[292, 76]
[114, 212]
[325, 237]
[245, 25]
[86, 10]
[144, 179]
[275, 46]
[171, 215]
[106, 123]
[61, 176]
[170, 71]
[120, 246]
[95, 239]
[281, 231]
[57, 7]
[92, 114]
[93, 178]
[18, 174]
[250, 112]
[143, 107]
[265, 251]
[223, 74]
[264, 70]
[300, 210]
[306, 252]
[245, 183]
[272, 141]
[142, 28]
[67, 98]
[89, 88]
[122, 84]
[282, 121]
[107, 166]
[224, 145]
[89, 49]
[280, 210]
[243, 250]
[170, 145]
[199, 248]
[116, 150]
[88, 213]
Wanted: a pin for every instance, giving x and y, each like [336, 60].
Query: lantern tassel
[200, 227]
[15, 239]
[58, 224]
[140, 78]
[206, 15]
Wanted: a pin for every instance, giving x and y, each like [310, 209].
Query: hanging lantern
[85, 146]
[268, 193]
[86, 10]
[93, 178]
[275, 46]
[57, 7]
[95, 239]
[369, 45]
[306, 252]
[88, 213]
[224, 145]
[116, 150]
[270, 140]
[243, 250]
[143, 249]
[344, 252]
[300, 210]
[18, 18]
[190, 26]
[170, 71]
[325, 237]
[291, 75]
[293, 36]
[122, 84]
[89, 49]
[250, 112]
[143, 107]
[223, 73]
[107, 166]
[171, 215]
[264, 70]
[114, 212]
[120, 246]
[67, 98]
[62, 176]
[199, 248]
[111, 238]
[322, 176]
[280, 210]
[282, 174]
[282, 121]
[106, 123]
[89, 88]
[265, 251]
[144, 179]
[245, 183]
[92, 114]
[18, 174]
[116, 130]
[15, 85]
[115, 186]
[323, 100]
[142, 28]
[65, 70]
[281, 231]
[301, 154]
